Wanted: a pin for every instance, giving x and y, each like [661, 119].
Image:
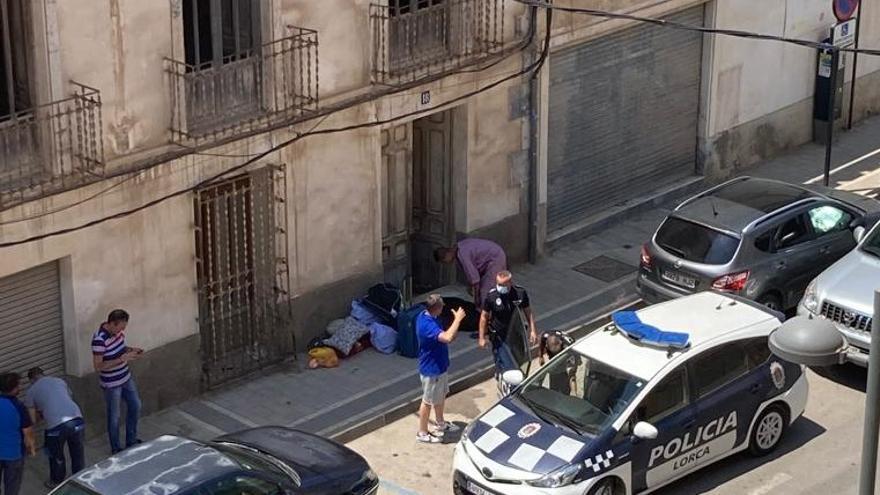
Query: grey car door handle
[780, 265]
[824, 250]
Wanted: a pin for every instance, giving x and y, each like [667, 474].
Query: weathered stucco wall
[118, 47]
[760, 92]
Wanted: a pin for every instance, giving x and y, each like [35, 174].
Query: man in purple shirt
[480, 260]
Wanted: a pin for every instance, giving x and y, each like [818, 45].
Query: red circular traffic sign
[844, 9]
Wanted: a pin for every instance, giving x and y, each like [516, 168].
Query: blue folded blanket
[629, 323]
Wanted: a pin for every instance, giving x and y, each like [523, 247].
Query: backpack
[384, 301]
[407, 340]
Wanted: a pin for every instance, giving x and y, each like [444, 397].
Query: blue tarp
[629, 323]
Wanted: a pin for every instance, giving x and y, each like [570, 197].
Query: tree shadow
[849, 375]
[799, 434]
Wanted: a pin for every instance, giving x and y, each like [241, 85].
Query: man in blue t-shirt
[16, 434]
[434, 365]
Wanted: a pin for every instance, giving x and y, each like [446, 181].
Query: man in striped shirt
[110, 356]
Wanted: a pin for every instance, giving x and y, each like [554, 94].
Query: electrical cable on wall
[688, 27]
[323, 113]
[125, 213]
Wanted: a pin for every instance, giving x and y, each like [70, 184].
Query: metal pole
[868, 473]
[832, 99]
[852, 87]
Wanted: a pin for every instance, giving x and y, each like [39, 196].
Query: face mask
[502, 289]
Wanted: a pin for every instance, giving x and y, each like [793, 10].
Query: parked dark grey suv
[758, 238]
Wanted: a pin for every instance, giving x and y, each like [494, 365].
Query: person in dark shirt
[16, 434]
[562, 377]
[498, 309]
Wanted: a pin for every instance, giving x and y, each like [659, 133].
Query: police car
[648, 399]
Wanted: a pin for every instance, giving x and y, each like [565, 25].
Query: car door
[728, 386]
[793, 252]
[516, 352]
[833, 238]
[667, 407]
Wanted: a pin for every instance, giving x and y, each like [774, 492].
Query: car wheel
[768, 430]
[771, 301]
[605, 487]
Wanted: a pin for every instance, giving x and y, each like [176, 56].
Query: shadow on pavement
[848, 375]
[799, 434]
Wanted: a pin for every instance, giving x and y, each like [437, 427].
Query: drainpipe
[534, 108]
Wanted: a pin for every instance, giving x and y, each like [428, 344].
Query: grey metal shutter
[31, 333]
[622, 118]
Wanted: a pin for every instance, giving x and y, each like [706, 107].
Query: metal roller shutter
[31, 332]
[623, 117]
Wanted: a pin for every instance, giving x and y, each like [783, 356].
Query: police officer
[498, 308]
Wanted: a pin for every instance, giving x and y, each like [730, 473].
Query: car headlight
[811, 299]
[561, 477]
[370, 475]
[467, 431]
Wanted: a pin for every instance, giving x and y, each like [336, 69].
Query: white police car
[636, 405]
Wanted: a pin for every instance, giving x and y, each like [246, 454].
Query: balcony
[431, 37]
[51, 147]
[249, 90]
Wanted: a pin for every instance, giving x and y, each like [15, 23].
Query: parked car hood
[318, 461]
[851, 281]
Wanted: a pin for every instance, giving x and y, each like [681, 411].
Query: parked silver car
[844, 293]
[757, 238]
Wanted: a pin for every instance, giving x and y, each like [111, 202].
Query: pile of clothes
[378, 320]
[371, 322]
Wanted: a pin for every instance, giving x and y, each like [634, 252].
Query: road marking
[226, 412]
[395, 488]
[844, 166]
[771, 485]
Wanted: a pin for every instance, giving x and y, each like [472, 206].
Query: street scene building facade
[233, 172]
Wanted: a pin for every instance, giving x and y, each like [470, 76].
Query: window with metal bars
[15, 90]
[403, 7]
[218, 32]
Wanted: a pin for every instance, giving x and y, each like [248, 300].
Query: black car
[757, 238]
[261, 461]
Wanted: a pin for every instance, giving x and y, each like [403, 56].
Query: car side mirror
[858, 233]
[645, 431]
[510, 380]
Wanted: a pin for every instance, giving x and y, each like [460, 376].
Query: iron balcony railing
[248, 90]
[434, 37]
[51, 147]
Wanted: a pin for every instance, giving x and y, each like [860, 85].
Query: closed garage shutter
[31, 333]
[623, 117]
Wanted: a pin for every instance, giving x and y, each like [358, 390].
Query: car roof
[164, 466]
[705, 316]
[734, 205]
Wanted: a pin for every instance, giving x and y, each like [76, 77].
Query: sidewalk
[574, 284]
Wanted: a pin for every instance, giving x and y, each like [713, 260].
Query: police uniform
[501, 308]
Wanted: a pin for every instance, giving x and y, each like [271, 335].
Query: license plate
[477, 489]
[679, 279]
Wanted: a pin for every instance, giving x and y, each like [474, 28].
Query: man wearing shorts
[434, 367]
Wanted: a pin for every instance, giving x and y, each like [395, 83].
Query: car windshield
[579, 392]
[693, 242]
[254, 460]
[872, 243]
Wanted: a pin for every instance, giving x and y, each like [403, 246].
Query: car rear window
[693, 242]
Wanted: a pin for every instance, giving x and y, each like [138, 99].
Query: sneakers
[427, 438]
[447, 427]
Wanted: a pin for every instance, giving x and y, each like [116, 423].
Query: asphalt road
[819, 456]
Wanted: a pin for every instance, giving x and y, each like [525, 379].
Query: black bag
[384, 301]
